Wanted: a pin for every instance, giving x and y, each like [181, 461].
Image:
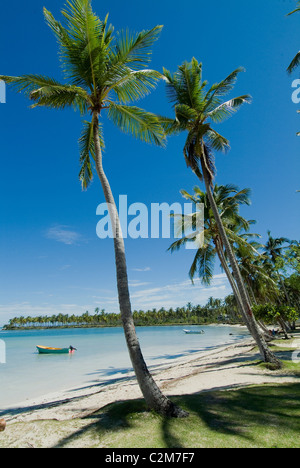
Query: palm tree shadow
[171, 441]
[114, 417]
[233, 412]
[229, 413]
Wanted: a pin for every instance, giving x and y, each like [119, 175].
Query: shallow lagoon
[102, 355]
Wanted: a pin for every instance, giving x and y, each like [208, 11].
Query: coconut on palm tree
[104, 73]
[196, 110]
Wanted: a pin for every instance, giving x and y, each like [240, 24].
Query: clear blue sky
[51, 260]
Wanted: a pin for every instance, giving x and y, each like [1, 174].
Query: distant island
[215, 311]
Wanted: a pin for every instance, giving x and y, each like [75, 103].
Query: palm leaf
[294, 11]
[81, 50]
[87, 150]
[224, 87]
[138, 122]
[226, 109]
[203, 264]
[134, 84]
[294, 64]
[133, 50]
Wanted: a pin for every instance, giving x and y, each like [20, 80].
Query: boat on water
[194, 332]
[48, 350]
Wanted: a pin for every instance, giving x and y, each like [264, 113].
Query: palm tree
[228, 198]
[196, 108]
[296, 60]
[104, 73]
[273, 250]
[259, 280]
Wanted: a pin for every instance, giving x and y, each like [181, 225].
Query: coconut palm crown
[197, 109]
[102, 71]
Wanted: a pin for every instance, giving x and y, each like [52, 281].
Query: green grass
[259, 416]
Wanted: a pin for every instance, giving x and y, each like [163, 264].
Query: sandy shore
[222, 368]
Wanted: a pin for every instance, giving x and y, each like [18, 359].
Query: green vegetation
[215, 311]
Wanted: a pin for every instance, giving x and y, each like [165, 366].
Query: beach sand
[226, 367]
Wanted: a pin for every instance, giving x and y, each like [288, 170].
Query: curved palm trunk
[236, 292]
[152, 394]
[231, 281]
[265, 352]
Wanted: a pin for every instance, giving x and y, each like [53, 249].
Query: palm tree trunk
[265, 352]
[230, 279]
[152, 394]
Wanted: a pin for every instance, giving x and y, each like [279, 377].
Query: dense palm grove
[214, 311]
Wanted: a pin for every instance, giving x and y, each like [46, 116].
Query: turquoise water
[102, 355]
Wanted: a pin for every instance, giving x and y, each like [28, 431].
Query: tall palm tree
[104, 73]
[196, 109]
[296, 60]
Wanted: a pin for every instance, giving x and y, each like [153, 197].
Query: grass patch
[265, 416]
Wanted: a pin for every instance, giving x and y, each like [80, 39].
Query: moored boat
[48, 350]
[194, 332]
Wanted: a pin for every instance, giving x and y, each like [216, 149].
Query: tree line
[215, 311]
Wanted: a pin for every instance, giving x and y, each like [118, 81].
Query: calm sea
[102, 355]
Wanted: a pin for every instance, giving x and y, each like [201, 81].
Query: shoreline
[224, 366]
[71, 327]
[227, 367]
[80, 391]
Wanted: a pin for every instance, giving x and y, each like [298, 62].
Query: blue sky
[51, 258]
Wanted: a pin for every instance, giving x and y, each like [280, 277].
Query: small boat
[47, 350]
[194, 332]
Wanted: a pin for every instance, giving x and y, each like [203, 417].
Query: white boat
[194, 332]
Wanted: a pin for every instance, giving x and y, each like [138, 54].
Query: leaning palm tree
[207, 240]
[196, 109]
[296, 60]
[104, 73]
[272, 251]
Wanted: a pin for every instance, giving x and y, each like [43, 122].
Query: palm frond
[224, 87]
[185, 86]
[138, 122]
[295, 11]
[134, 84]
[170, 126]
[226, 109]
[48, 92]
[203, 264]
[82, 49]
[87, 151]
[216, 141]
[133, 50]
[294, 64]
[185, 114]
